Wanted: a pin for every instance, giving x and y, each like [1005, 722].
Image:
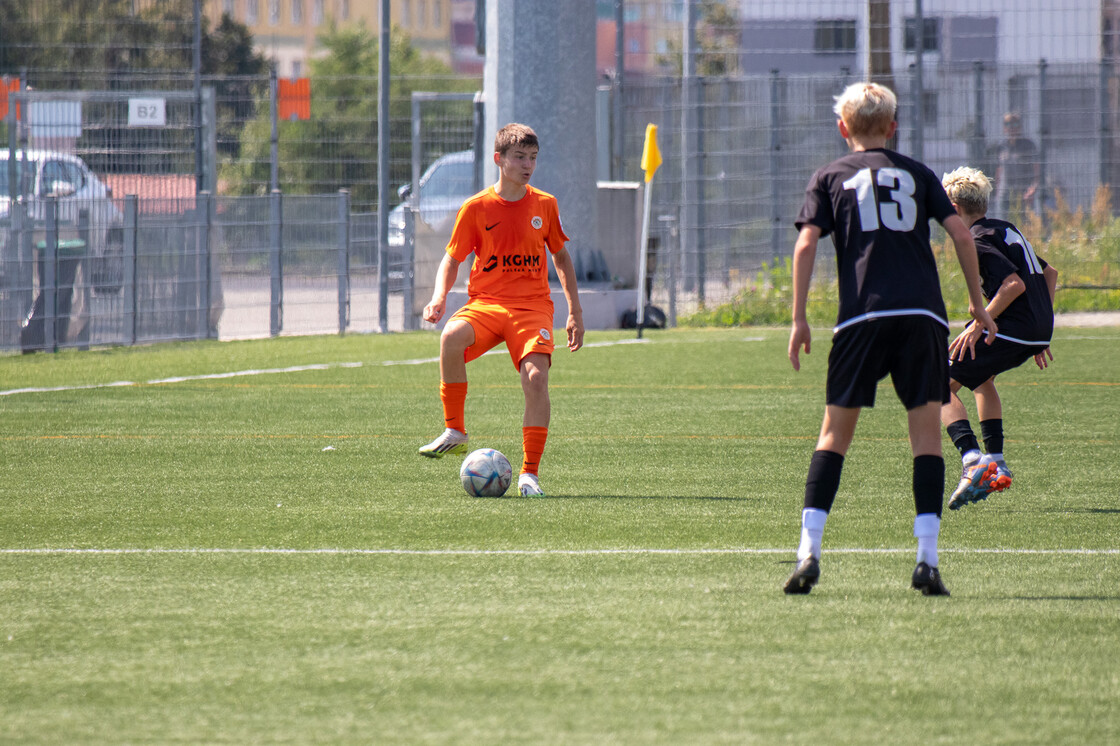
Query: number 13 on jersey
[899, 213]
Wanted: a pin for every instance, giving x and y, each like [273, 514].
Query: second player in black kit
[1020, 288]
[877, 204]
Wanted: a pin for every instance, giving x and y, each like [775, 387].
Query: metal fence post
[343, 260]
[917, 114]
[202, 265]
[128, 281]
[275, 263]
[1043, 129]
[977, 154]
[688, 148]
[1106, 123]
[775, 167]
[211, 221]
[919, 83]
[48, 282]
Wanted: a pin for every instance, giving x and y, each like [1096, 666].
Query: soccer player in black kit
[1020, 288]
[877, 205]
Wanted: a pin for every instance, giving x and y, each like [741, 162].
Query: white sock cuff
[927, 524]
[813, 519]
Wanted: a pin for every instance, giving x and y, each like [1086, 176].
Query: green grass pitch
[264, 558]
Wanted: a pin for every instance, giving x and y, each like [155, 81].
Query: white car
[45, 173]
[444, 187]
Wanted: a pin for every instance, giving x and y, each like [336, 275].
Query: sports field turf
[264, 558]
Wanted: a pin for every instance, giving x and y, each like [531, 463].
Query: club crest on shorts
[537, 222]
[545, 334]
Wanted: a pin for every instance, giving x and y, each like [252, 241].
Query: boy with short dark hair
[877, 205]
[1020, 287]
[511, 228]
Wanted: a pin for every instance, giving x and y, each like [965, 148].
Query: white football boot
[452, 441]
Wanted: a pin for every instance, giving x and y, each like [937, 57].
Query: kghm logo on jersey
[537, 222]
[519, 261]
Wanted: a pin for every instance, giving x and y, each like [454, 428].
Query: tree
[717, 41]
[123, 45]
[337, 147]
[239, 76]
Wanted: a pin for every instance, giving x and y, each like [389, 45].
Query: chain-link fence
[196, 268]
[759, 138]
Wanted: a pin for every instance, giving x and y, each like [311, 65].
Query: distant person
[877, 205]
[1020, 288]
[511, 228]
[1019, 169]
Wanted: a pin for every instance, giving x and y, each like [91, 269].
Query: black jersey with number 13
[876, 205]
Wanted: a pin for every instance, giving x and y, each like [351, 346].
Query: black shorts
[991, 360]
[913, 350]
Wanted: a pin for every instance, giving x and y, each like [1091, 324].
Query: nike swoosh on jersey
[495, 225]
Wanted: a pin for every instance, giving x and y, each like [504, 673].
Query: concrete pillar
[540, 71]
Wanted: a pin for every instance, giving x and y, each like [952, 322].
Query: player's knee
[454, 340]
[534, 378]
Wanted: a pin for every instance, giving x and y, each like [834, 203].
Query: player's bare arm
[445, 278]
[1042, 359]
[1051, 276]
[965, 248]
[804, 254]
[566, 273]
[1010, 289]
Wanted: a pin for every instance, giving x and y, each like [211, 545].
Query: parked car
[46, 173]
[445, 185]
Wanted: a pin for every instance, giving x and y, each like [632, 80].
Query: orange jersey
[511, 242]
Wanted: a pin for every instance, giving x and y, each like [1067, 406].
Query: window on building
[834, 35]
[406, 13]
[344, 10]
[317, 13]
[227, 7]
[274, 12]
[297, 11]
[251, 12]
[421, 13]
[437, 13]
[931, 34]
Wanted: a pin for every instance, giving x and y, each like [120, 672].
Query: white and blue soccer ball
[486, 473]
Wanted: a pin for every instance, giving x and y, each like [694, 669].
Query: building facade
[287, 31]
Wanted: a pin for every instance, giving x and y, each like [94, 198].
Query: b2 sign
[147, 112]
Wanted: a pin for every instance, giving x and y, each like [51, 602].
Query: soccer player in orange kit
[511, 228]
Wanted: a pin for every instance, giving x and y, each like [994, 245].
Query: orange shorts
[524, 330]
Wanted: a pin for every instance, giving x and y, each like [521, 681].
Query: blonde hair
[867, 109]
[969, 189]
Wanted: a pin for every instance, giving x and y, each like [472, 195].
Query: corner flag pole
[651, 159]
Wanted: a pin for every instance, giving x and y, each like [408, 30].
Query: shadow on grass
[515, 496]
[1056, 598]
[1061, 511]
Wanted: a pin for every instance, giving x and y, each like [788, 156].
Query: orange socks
[533, 439]
[454, 397]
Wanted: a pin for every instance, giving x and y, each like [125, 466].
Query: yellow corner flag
[651, 156]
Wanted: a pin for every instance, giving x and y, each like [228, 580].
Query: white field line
[258, 372]
[526, 552]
